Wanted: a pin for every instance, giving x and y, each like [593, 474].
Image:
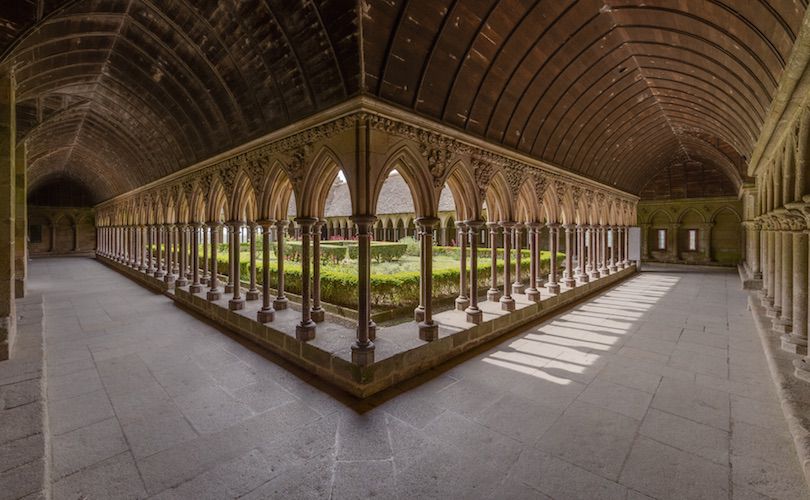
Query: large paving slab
[605, 400]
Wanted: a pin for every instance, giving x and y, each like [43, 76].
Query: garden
[394, 271]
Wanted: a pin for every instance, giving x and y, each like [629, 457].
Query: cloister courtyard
[450, 249]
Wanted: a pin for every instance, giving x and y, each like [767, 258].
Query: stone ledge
[793, 394]
[399, 354]
[748, 281]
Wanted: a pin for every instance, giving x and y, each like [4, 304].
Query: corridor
[657, 388]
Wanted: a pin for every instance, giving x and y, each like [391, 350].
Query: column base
[518, 288]
[507, 304]
[801, 369]
[603, 272]
[419, 314]
[428, 331]
[317, 315]
[583, 278]
[474, 315]
[181, 282]
[794, 344]
[280, 303]
[169, 279]
[533, 294]
[159, 275]
[612, 268]
[570, 282]
[228, 288]
[493, 295]
[265, 316]
[772, 311]
[204, 281]
[462, 303]
[594, 275]
[195, 288]
[252, 295]
[779, 325]
[305, 331]
[363, 355]
[213, 295]
[236, 304]
[553, 288]
[150, 271]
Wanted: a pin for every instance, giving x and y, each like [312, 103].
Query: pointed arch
[416, 176]
[499, 199]
[243, 199]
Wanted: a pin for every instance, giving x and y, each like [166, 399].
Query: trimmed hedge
[387, 290]
[381, 251]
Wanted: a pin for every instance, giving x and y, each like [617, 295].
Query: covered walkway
[657, 387]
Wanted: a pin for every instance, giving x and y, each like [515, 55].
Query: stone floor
[657, 388]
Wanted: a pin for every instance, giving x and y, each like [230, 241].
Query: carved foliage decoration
[483, 170]
[514, 177]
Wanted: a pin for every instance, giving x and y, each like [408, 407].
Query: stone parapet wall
[400, 354]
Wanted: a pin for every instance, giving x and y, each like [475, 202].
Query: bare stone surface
[506, 423]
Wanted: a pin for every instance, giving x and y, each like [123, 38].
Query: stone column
[619, 243]
[8, 177]
[280, 301]
[205, 275]
[532, 293]
[603, 254]
[517, 285]
[237, 302]
[568, 278]
[317, 313]
[266, 314]
[493, 294]
[196, 286]
[305, 329]
[756, 270]
[170, 277]
[767, 268]
[553, 286]
[613, 242]
[783, 323]
[363, 347]
[593, 253]
[507, 302]
[776, 309]
[181, 280]
[428, 329]
[462, 302]
[230, 283]
[582, 274]
[159, 273]
[150, 242]
[796, 341]
[214, 293]
[253, 292]
[474, 313]
[142, 248]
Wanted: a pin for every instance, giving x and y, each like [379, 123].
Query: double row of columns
[586, 251]
[778, 252]
[171, 252]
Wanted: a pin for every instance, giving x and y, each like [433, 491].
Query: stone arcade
[344, 249]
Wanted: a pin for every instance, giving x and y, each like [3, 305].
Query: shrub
[382, 252]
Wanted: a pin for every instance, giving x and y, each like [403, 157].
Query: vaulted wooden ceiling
[116, 93]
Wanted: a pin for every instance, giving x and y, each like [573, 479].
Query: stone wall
[61, 230]
[717, 221]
